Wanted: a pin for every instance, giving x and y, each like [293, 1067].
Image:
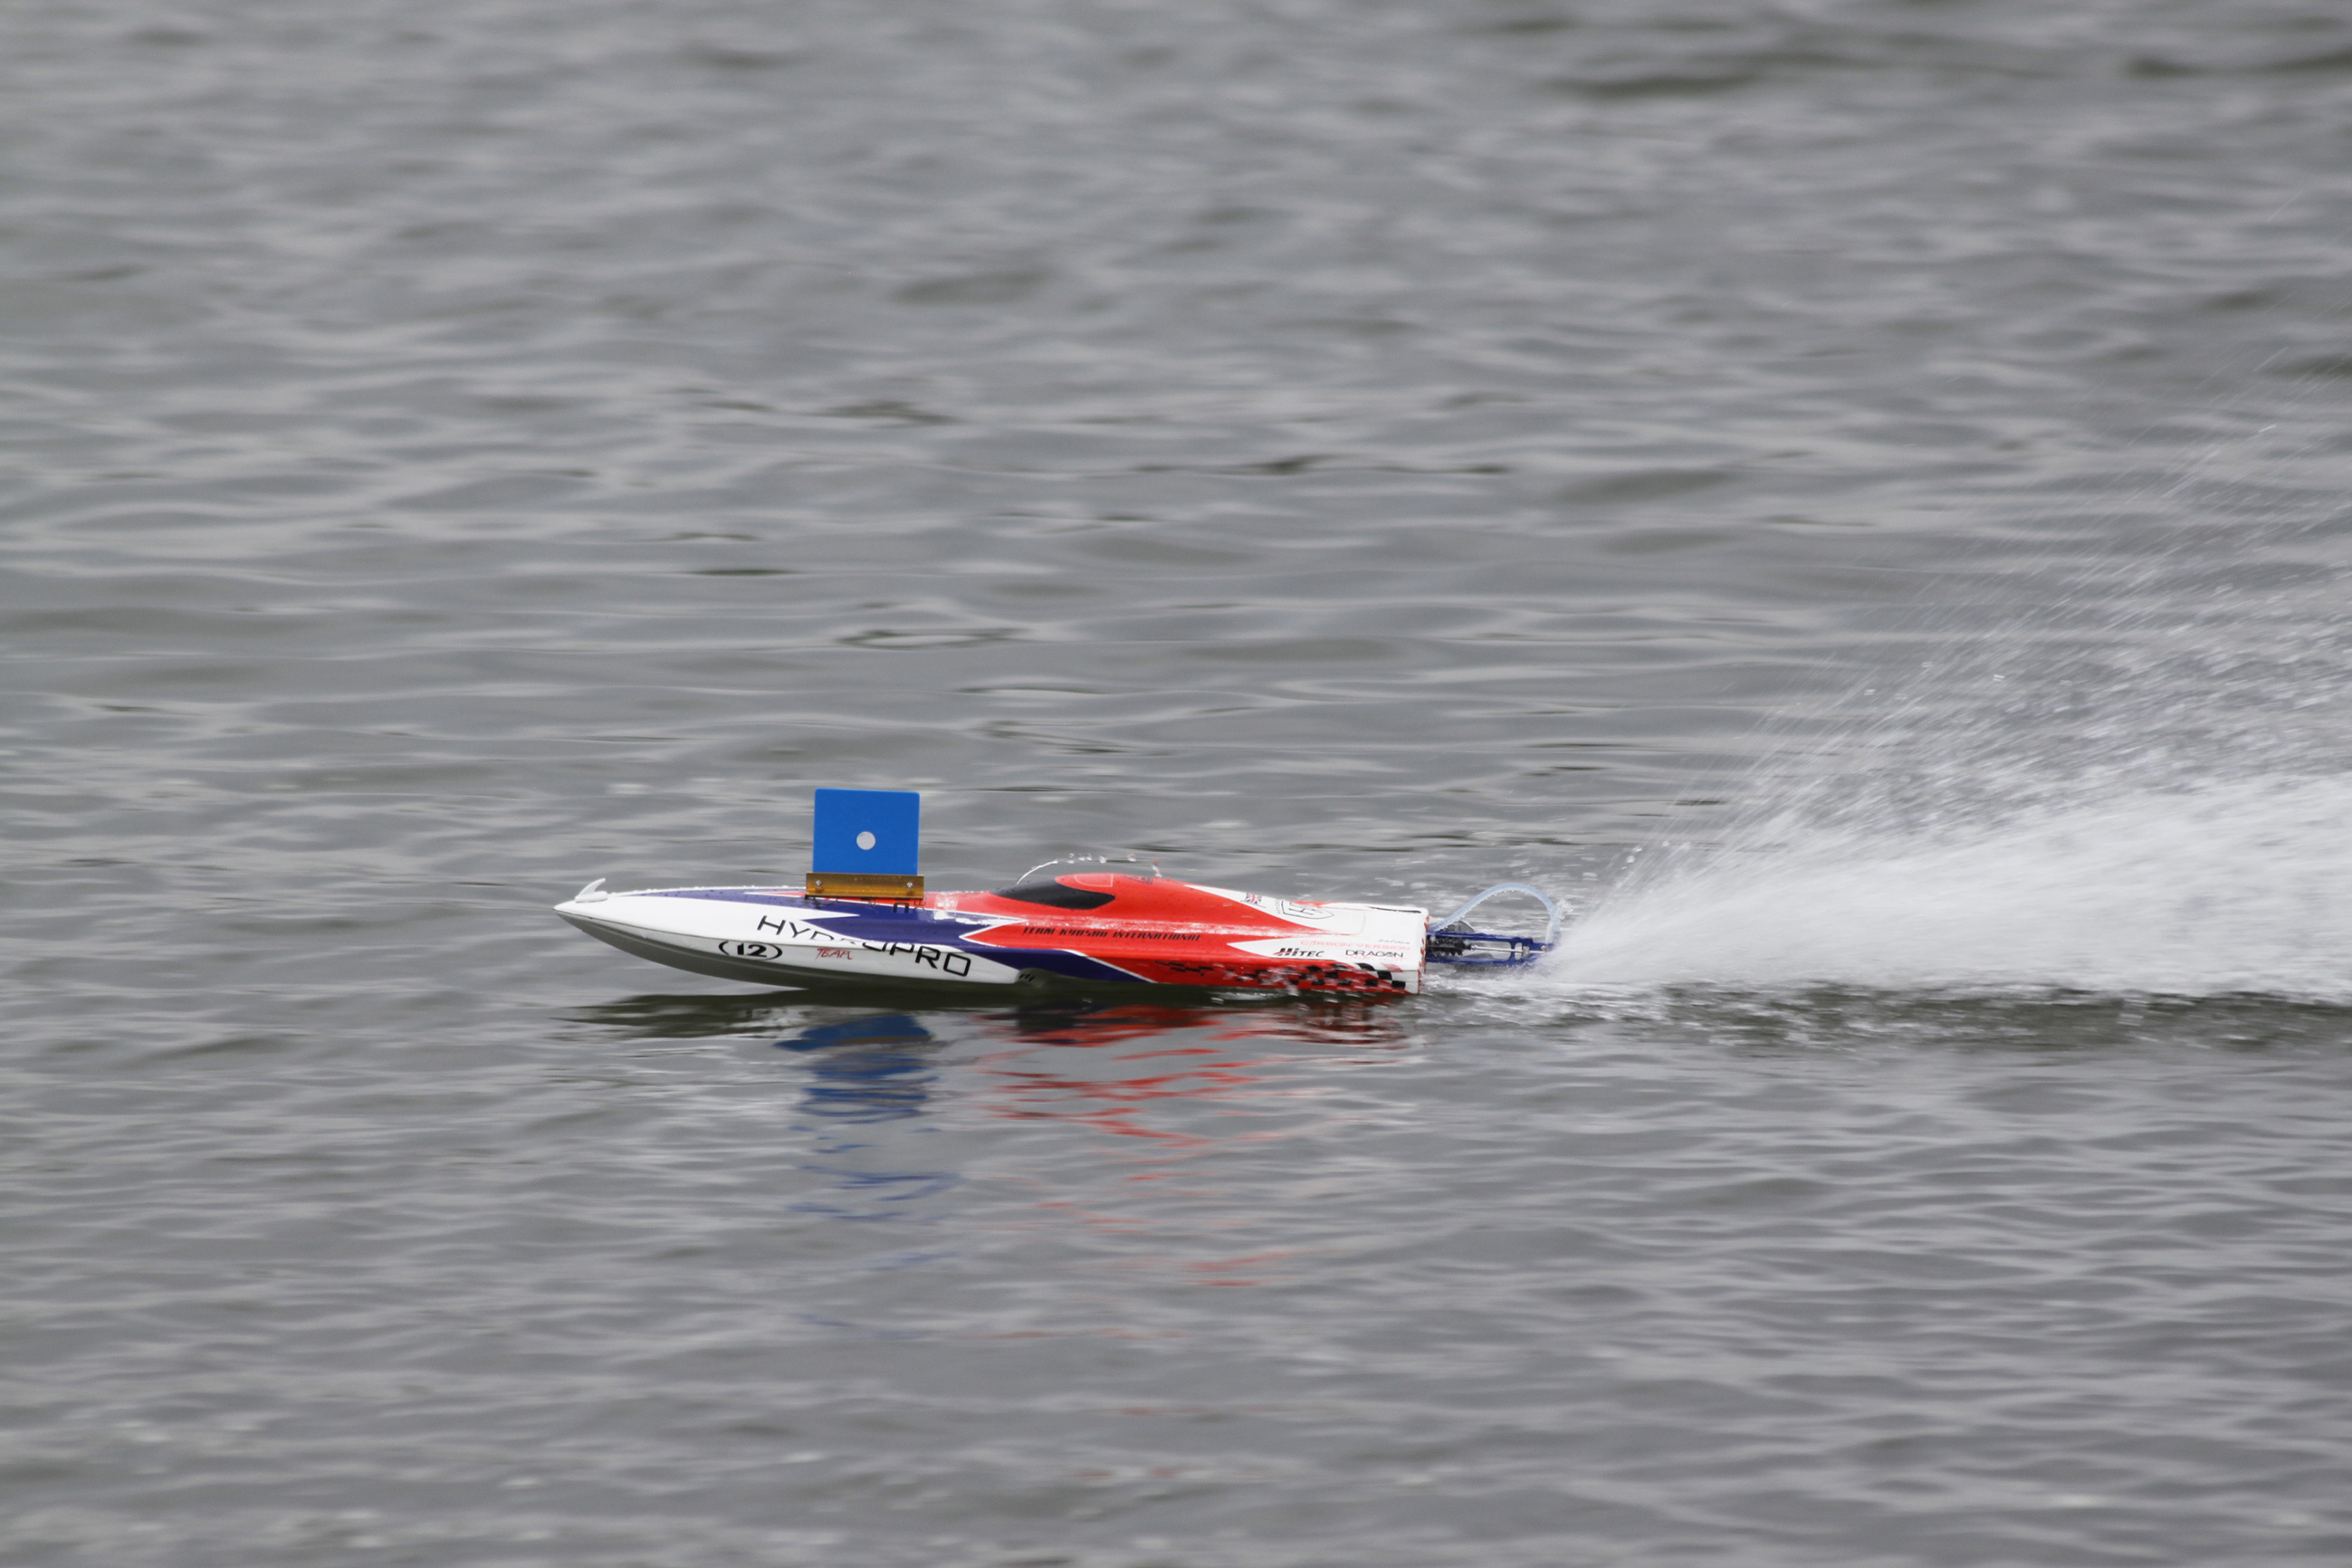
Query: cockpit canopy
[1078, 881]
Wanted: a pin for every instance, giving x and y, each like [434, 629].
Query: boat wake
[2233, 887]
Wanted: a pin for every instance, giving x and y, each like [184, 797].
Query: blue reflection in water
[875, 1069]
[868, 1073]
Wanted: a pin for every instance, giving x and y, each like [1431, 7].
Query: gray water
[1849, 494]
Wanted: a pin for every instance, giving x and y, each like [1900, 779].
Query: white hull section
[768, 944]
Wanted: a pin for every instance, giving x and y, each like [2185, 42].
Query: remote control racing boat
[1089, 924]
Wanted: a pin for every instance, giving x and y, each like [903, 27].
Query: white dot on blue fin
[865, 839]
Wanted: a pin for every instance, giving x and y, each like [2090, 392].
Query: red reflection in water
[1063, 1065]
[1315, 1022]
[1113, 1096]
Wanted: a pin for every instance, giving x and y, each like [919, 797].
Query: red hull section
[1177, 933]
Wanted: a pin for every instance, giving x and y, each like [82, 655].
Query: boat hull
[975, 943]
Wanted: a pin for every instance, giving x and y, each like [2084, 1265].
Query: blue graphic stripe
[921, 927]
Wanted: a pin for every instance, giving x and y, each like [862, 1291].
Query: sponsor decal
[791, 927]
[1109, 934]
[946, 961]
[956, 965]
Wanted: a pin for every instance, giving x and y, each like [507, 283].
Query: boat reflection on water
[887, 1099]
[893, 1064]
[1134, 1070]
[675, 1018]
[881, 1067]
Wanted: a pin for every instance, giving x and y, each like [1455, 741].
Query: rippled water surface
[1849, 494]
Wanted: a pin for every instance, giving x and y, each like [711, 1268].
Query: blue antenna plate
[874, 831]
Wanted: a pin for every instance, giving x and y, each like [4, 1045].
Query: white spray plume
[2239, 886]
